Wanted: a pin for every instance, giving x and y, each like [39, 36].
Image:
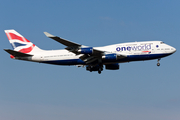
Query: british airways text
[134, 48]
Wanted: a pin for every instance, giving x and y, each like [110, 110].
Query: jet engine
[109, 57]
[88, 50]
[112, 66]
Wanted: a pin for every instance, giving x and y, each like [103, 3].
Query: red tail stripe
[12, 36]
[27, 50]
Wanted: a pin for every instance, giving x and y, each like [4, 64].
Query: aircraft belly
[130, 58]
[143, 57]
[65, 62]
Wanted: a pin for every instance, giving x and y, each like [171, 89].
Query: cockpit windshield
[162, 42]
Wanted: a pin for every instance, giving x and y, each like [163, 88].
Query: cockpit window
[162, 42]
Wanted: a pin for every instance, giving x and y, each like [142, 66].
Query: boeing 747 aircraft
[93, 58]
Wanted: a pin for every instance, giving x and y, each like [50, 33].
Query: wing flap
[88, 59]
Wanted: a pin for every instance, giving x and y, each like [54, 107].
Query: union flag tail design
[20, 43]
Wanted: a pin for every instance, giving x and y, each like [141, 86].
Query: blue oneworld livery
[93, 58]
[134, 48]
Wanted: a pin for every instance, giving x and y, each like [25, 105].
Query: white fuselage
[133, 50]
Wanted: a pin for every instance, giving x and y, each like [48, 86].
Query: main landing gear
[158, 64]
[100, 69]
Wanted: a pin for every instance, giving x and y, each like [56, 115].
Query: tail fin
[20, 43]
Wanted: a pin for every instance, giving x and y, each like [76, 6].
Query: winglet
[48, 34]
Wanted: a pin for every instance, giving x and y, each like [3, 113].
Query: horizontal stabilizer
[62, 41]
[17, 54]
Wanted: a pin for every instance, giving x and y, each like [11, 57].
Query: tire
[158, 64]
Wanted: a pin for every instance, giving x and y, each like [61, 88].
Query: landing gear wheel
[99, 71]
[158, 64]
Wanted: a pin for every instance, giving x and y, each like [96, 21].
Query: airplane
[93, 58]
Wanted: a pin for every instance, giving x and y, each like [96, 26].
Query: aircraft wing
[71, 46]
[62, 41]
[89, 54]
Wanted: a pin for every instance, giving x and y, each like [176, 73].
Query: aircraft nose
[173, 50]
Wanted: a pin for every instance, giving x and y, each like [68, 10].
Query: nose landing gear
[158, 64]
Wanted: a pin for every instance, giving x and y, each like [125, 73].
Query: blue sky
[138, 91]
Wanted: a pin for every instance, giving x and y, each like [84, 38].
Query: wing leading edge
[61, 40]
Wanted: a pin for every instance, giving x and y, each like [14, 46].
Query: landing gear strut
[158, 64]
[100, 69]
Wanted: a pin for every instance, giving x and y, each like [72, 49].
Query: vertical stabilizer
[20, 43]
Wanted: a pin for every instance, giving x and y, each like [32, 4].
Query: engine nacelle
[109, 57]
[88, 50]
[112, 66]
